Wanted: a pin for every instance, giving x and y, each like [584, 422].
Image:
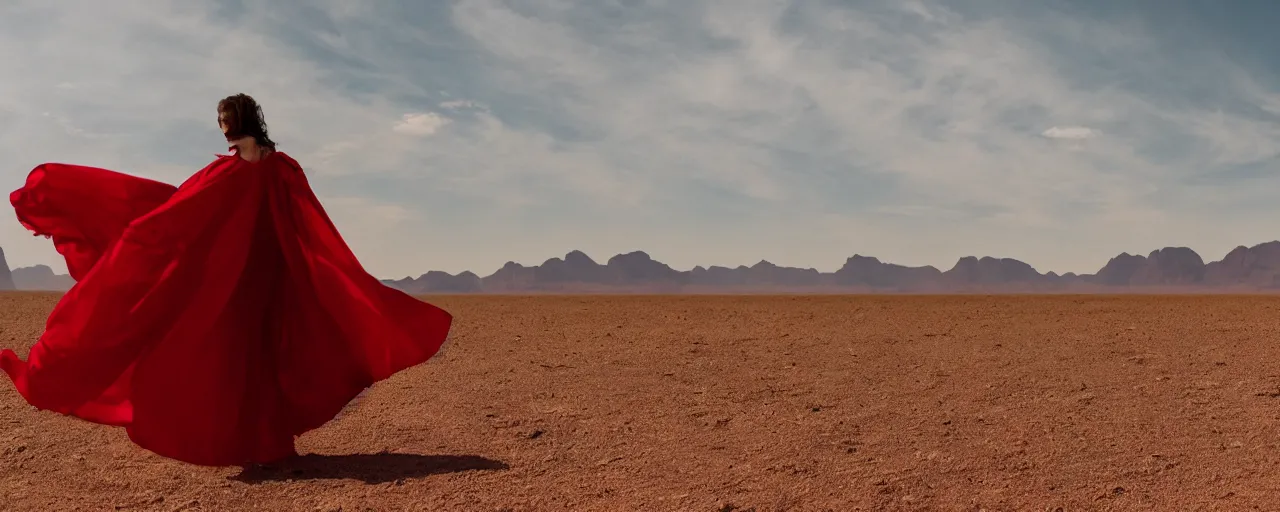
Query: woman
[215, 321]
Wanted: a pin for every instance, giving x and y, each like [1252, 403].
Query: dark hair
[245, 119]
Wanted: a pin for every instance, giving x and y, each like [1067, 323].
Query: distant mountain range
[39, 277]
[1171, 269]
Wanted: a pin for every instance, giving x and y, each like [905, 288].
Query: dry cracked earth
[746, 403]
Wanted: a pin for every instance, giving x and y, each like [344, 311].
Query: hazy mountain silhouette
[987, 272]
[41, 277]
[1254, 268]
[1249, 267]
[6, 277]
[865, 271]
[1168, 269]
[577, 271]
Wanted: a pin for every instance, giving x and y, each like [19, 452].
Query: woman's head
[240, 116]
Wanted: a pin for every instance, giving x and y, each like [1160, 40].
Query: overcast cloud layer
[459, 135]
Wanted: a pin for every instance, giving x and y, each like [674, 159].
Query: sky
[459, 135]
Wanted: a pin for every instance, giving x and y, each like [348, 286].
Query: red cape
[215, 321]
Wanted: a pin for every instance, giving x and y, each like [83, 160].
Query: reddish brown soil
[735, 403]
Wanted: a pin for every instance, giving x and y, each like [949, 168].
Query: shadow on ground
[369, 468]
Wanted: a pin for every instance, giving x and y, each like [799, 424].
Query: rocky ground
[746, 403]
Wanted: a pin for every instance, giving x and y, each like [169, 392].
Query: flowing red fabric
[215, 321]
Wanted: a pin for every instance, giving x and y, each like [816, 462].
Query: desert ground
[746, 403]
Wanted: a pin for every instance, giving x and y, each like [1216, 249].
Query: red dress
[215, 321]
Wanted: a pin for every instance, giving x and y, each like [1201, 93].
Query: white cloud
[421, 124]
[1070, 132]
[457, 104]
[722, 115]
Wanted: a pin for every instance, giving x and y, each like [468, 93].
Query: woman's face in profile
[224, 122]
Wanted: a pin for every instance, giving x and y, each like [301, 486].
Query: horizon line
[884, 262]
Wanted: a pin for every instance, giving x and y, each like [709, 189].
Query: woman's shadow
[369, 468]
